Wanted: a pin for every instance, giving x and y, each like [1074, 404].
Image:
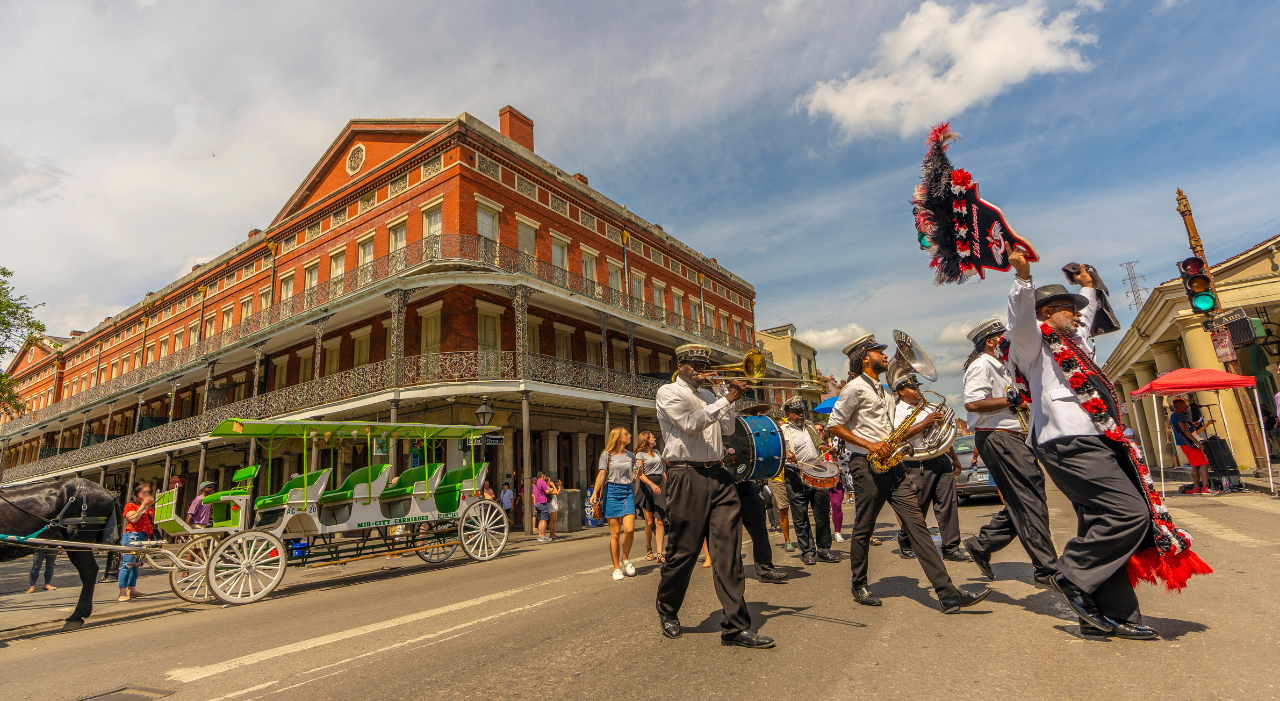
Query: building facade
[1166, 336]
[421, 266]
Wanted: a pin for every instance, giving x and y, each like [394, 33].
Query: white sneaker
[630, 568]
[839, 538]
[617, 575]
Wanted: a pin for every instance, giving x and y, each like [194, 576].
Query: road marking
[191, 674]
[1200, 524]
[242, 692]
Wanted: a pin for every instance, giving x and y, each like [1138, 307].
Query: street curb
[1256, 485]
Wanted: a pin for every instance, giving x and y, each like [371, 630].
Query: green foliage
[17, 324]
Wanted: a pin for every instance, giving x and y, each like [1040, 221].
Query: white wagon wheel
[193, 584]
[483, 530]
[246, 567]
[439, 553]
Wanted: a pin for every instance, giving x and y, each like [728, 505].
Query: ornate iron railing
[443, 248]
[432, 368]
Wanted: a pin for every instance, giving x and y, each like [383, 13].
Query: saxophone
[910, 357]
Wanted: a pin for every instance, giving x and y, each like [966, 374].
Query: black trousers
[800, 497]
[935, 486]
[1026, 514]
[703, 503]
[1113, 519]
[753, 519]
[870, 493]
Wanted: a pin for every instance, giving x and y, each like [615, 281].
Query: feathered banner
[963, 232]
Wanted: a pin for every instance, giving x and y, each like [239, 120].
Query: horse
[74, 510]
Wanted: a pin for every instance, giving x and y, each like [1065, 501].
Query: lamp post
[484, 413]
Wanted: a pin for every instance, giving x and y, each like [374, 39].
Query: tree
[18, 325]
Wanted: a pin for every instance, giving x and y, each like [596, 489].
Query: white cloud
[22, 179]
[953, 334]
[829, 339]
[937, 63]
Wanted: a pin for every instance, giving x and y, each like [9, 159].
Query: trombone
[753, 368]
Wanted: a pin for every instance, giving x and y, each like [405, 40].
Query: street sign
[1220, 321]
[490, 439]
[1237, 323]
[1223, 346]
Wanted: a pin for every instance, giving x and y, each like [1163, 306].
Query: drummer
[802, 442]
[935, 480]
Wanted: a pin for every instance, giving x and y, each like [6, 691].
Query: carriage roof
[254, 428]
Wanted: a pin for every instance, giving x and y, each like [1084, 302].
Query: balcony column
[393, 447]
[606, 421]
[257, 365]
[550, 444]
[604, 346]
[168, 470]
[395, 376]
[204, 452]
[631, 346]
[133, 472]
[520, 295]
[208, 382]
[61, 427]
[84, 427]
[173, 397]
[635, 422]
[4, 457]
[526, 456]
[137, 415]
[102, 477]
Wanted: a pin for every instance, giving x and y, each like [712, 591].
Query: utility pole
[1135, 291]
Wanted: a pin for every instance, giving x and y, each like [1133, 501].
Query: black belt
[691, 463]
[1019, 434]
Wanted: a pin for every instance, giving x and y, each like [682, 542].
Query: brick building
[421, 266]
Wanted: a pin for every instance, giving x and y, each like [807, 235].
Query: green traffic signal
[1197, 285]
[1204, 302]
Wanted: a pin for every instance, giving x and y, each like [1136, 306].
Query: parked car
[974, 480]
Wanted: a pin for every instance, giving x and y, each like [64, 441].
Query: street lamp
[485, 412]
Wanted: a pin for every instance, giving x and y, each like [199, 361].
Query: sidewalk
[22, 613]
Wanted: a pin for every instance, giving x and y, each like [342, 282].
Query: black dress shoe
[983, 561]
[771, 575]
[1043, 582]
[863, 595]
[951, 604]
[1126, 631]
[957, 555]
[670, 626]
[809, 558]
[1080, 602]
[907, 553]
[748, 639]
[828, 556]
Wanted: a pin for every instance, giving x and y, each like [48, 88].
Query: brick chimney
[581, 178]
[254, 232]
[75, 334]
[516, 126]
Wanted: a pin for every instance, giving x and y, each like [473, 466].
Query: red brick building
[420, 266]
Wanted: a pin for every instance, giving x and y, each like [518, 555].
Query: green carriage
[428, 510]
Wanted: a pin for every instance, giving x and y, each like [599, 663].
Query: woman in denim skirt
[614, 480]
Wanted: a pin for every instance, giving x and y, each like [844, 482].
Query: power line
[1134, 292]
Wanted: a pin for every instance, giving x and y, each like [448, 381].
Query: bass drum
[754, 449]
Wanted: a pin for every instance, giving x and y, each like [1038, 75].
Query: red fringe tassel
[1149, 565]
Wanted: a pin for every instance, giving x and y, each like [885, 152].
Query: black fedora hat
[1054, 293]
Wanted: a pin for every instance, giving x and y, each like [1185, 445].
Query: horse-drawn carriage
[313, 519]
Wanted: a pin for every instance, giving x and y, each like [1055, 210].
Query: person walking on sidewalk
[614, 478]
[139, 525]
[541, 506]
[649, 497]
[553, 507]
[43, 557]
[506, 497]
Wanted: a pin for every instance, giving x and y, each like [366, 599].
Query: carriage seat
[458, 482]
[243, 477]
[405, 484]
[366, 481]
[307, 482]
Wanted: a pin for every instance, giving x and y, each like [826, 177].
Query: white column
[580, 463]
[550, 462]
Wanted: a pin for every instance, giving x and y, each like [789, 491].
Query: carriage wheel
[483, 530]
[193, 585]
[436, 552]
[246, 567]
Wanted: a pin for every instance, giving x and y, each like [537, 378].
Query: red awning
[1192, 380]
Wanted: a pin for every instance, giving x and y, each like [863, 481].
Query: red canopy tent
[1185, 380]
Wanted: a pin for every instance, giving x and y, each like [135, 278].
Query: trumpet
[752, 369]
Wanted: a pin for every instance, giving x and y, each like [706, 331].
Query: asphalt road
[547, 622]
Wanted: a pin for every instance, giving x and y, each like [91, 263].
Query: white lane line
[340, 671]
[242, 692]
[1195, 523]
[191, 674]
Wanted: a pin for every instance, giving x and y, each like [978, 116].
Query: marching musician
[753, 520]
[991, 398]
[1114, 516]
[863, 417]
[702, 499]
[802, 448]
[934, 479]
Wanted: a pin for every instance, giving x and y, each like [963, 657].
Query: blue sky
[783, 137]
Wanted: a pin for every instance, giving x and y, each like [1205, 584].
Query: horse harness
[72, 525]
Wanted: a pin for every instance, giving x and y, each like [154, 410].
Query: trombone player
[863, 417]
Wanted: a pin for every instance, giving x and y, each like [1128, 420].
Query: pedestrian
[1184, 436]
[43, 557]
[139, 525]
[506, 496]
[778, 490]
[541, 507]
[199, 513]
[649, 497]
[553, 507]
[488, 492]
[836, 494]
[613, 484]
[801, 448]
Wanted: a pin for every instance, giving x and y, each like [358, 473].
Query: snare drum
[820, 475]
[754, 449]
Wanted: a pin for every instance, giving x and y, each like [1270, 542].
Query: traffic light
[1198, 286]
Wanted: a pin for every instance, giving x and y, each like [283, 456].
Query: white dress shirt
[865, 409]
[693, 422]
[988, 378]
[902, 411]
[1055, 410]
[800, 442]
